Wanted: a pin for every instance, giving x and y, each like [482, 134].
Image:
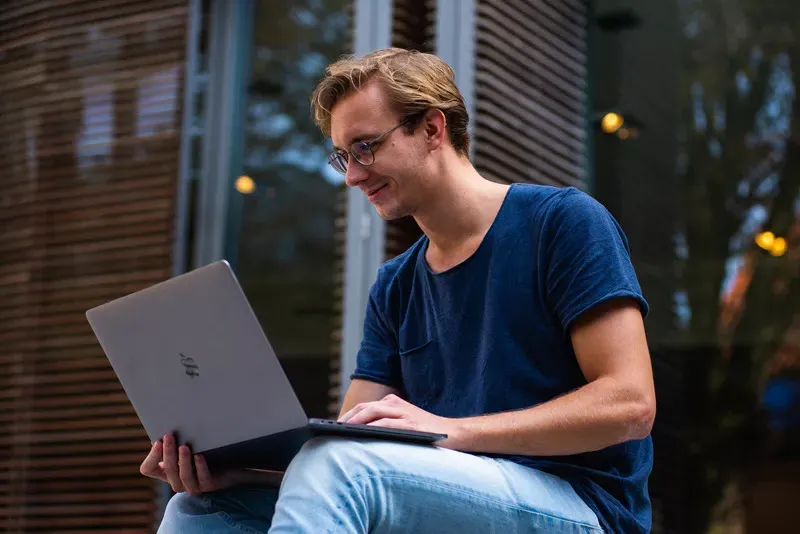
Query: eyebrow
[356, 139]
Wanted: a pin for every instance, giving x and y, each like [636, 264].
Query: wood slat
[522, 93]
[70, 497]
[69, 462]
[513, 140]
[571, 15]
[531, 62]
[83, 509]
[54, 438]
[528, 38]
[126, 202]
[530, 84]
[78, 24]
[63, 11]
[82, 399]
[67, 302]
[27, 199]
[567, 51]
[75, 233]
[65, 413]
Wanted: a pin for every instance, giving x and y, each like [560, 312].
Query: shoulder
[572, 202]
[541, 203]
[548, 211]
[549, 200]
[568, 213]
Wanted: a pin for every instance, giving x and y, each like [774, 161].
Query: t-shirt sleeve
[378, 358]
[588, 260]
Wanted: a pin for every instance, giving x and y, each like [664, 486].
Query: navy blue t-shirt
[492, 333]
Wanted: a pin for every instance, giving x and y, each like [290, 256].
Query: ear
[435, 128]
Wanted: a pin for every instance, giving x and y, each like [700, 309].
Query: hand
[394, 412]
[172, 464]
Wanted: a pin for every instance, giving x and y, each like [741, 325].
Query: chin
[391, 213]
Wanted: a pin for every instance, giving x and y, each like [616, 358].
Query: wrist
[459, 434]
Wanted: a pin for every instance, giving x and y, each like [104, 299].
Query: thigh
[240, 509]
[448, 491]
[412, 488]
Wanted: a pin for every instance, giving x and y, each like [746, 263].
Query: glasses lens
[338, 161]
[363, 153]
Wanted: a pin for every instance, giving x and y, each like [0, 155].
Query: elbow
[642, 416]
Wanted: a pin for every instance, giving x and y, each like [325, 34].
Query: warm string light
[614, 123]
[774, 245]
[245, 185]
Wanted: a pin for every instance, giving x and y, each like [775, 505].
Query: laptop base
[275, 452]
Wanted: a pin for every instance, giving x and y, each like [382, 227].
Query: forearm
[598, 415]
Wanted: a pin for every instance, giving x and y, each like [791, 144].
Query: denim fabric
[343, 486]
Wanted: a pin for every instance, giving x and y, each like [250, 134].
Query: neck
[461, 205]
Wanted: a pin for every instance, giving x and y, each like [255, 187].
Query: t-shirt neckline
[484, 242]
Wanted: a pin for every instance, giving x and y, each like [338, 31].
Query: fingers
[151, 466]
[375, 411]
[205, 481]
[388, 400]
[186, 471]
[354, 410]
[171, 469]
[401, 424]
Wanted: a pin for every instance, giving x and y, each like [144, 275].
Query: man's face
[392, 181]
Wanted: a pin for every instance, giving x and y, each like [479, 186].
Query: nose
[356, 173]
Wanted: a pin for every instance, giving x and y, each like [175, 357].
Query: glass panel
[702, 168]
[288, 193]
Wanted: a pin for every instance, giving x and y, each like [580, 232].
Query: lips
[373, 193]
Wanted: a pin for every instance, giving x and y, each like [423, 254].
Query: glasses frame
[343, 156]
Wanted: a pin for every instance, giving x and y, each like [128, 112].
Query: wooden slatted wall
[413, 28]
[530, 86]
[90, 94]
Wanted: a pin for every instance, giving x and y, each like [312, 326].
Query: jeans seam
[352, 486]
[226, 517]
[452, 487]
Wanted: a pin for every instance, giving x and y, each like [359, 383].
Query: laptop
[195, 362]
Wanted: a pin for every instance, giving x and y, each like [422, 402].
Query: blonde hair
[414, 83]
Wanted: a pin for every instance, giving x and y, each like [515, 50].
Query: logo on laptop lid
[192, 369]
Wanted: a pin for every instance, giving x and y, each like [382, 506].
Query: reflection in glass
[288, 204]
[709, 195]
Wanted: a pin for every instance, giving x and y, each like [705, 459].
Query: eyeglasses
[362, 151]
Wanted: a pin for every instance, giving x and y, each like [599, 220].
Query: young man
[514, 326]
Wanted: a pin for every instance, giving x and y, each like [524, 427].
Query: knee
[181, 509]
[334, 458]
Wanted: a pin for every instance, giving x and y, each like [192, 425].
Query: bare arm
[617, 404]
[361, 391]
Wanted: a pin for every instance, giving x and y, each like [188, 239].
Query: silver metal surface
[193, 359]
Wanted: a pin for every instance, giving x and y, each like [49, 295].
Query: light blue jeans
[348, 486]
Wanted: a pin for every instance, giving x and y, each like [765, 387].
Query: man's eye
[361, 149]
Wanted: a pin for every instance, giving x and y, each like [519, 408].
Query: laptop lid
[194, 360]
